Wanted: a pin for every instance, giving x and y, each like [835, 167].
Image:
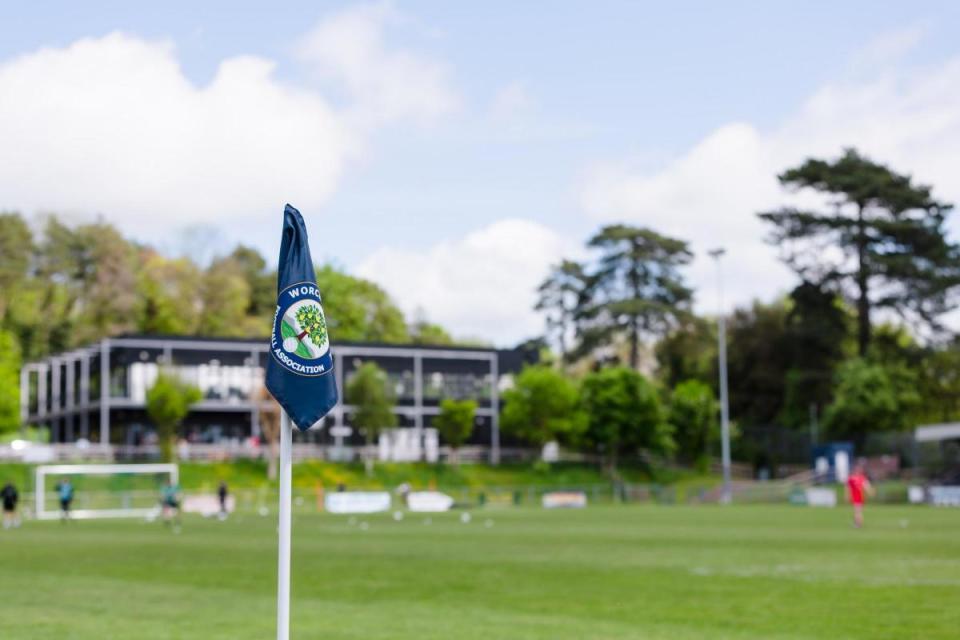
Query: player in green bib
[170, 503]
[65, 495]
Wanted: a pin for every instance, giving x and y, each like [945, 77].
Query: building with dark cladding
[66, 392]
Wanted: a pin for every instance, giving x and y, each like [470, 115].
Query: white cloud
[710, 194]
[481, 285]
[385, 84]
[888, 47]
[510, 100]
[112, 126]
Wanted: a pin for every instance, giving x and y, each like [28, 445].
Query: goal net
[102, 490]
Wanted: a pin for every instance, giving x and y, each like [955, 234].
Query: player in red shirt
[858, 485]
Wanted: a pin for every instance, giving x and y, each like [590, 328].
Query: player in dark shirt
[10, 497]
[222, 493]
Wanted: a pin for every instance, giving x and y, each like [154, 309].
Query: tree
[21, 292]
[542, 406]
[637, 289]
[9, 382]
[72, 285]
[359, 310]
[693, 416]
[422, 331]
[689, 352]
[817, 326]
[36, 315]
[373, 399]
[90, 273]
[109, 295]
[168, 403]
[890, 233]
[428, 333]
[870, 398]
[16, 255]
[455, 424]
[623, 414]
[758, 358]
[559, 297]
[225, 295]
[261, 282]
[939, 384]
[169, 292]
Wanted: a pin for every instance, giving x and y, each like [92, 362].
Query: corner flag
[300, 369]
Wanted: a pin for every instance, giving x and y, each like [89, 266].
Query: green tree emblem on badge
[312, 324]
[311, 321]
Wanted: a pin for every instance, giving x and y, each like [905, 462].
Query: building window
[119, 386]
[401, 384]
[459, 386]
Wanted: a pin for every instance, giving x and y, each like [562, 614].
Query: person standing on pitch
[65, 493]
[10, 498]
[222, 495]
[858, 485]
[170, 502]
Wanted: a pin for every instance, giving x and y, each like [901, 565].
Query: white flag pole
[283, 564]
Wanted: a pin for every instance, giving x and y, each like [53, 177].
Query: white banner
[821, 497]
[564, 500]
[429, 501]
[945, 496]
[916, 495]
[357, 501]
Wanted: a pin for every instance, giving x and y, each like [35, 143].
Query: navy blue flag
[300, 369]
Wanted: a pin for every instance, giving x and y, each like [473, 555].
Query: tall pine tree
[637, 289]
[881, 240]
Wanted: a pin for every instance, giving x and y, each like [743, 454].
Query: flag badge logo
[300, 339]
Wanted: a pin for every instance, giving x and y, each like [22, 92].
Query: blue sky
[527, 126]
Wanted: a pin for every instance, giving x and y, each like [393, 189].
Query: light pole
[727, 494]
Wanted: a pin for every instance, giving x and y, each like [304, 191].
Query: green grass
[605, 572]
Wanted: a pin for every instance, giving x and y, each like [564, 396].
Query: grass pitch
[605, 572]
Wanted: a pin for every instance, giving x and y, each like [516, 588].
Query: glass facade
[64, 392]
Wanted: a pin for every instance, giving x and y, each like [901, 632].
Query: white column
[84, 403]
[55, 400]
[55, 385]
[69, 369]
[254, 397]
[418, 402]
[84, 381]
[24, 396]
[105, 392]
[42, 406]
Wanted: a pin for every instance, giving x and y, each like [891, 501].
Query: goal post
[104, 490]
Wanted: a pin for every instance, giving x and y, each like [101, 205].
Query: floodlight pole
[727, 495]
[283, 562]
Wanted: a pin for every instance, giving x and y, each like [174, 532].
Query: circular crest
[300, 341]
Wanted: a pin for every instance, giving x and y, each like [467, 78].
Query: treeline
[857, 346]
[63, 286]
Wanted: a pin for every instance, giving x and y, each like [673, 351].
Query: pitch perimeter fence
[263, 500]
